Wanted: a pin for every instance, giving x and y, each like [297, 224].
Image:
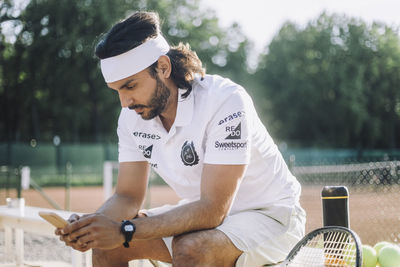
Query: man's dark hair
[134, 31]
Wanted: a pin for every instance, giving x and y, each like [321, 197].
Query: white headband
[135, 60]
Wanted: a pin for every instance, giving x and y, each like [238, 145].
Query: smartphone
[53, 218]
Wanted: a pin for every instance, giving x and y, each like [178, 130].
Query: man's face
[147, 95]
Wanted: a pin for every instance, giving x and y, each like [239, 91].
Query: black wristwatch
[127, 229]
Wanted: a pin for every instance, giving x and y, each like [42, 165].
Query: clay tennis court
[374, 212]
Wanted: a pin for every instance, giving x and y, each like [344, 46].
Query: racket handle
[335, 206]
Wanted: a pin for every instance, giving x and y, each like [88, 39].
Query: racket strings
[329, 249]
[339, 249]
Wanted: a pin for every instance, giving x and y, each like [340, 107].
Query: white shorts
[263, 239]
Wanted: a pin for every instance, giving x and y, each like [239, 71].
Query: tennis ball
[369, 256]
[378, 246]
[389, 256]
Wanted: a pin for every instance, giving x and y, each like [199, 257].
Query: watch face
[128, 228]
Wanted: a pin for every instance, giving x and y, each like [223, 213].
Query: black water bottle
[335, 206]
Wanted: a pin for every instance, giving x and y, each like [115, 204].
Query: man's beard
[157, 102]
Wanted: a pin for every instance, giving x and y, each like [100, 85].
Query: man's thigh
[261, 238]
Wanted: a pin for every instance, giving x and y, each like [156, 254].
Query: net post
[107, 179]
[18, 176]
[68, 176]
[25, 177]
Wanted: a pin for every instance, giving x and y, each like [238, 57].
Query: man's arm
[105, 223]
[218, 187]
[129, 193]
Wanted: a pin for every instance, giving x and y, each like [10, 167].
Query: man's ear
[164, 66]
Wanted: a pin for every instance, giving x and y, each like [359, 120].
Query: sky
[268, 16]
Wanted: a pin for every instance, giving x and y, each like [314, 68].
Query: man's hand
[92, 231]
[73, 218]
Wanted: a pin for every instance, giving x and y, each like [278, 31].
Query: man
[201, 134]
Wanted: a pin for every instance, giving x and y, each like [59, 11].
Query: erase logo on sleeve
[232, 116]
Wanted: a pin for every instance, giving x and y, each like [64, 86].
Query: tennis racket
[330, 246]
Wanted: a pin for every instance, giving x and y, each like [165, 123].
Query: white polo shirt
[216, 124]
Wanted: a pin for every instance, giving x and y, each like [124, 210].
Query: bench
[21, 218]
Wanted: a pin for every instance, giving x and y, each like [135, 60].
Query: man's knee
[187, 251]
[98, 253]
[204, 248]
[106, 257]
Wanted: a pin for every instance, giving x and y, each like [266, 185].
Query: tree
[50, 83]
[333, 84]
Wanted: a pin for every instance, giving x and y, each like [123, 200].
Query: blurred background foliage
[334, 83]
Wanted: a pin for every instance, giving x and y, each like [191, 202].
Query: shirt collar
[184, 112]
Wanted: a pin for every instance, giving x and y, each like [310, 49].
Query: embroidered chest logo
[188, 154]
[147, 152]
[235, 133]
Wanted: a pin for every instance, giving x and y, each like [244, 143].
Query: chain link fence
[372, 177]
[374, 202]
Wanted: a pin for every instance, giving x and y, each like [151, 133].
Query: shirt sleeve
[127, 148]
[229, 133]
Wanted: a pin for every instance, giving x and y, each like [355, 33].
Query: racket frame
[326, 230]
